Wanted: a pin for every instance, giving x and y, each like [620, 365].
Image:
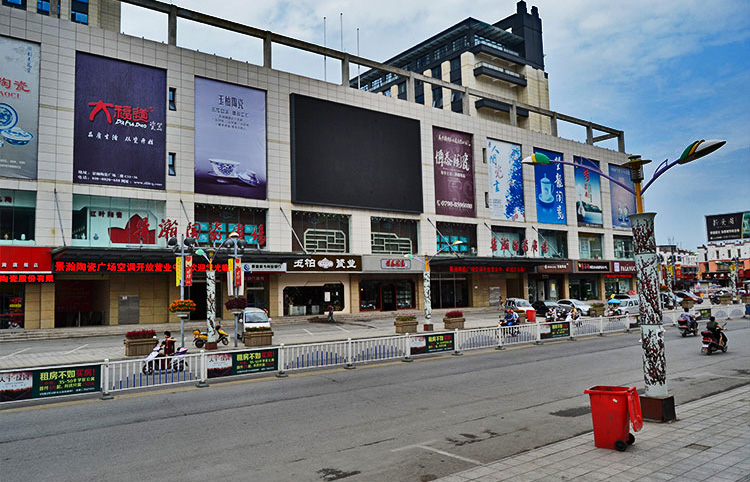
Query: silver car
[568, 303]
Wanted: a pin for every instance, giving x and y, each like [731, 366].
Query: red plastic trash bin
[611, 410]
[531, 316]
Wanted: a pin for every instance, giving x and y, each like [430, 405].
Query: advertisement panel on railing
[119, 136]
[19, 108]
[454, 173]
[506, 181]
[49, 382]
[622, 201]
[588, 193]
[432, 343]
[242, 362]
[230, 139]
[549, 181]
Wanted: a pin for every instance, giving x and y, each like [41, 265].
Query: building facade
[112, 145]
[720, 261]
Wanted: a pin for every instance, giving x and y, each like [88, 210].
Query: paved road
[385, 422]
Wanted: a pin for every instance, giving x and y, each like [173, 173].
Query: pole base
[658, 409]
[211, 345]
[427, 327]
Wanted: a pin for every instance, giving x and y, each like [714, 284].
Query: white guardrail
[120, 375]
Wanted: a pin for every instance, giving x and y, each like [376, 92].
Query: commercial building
[680, 264]
[113, 144]
[720, 261]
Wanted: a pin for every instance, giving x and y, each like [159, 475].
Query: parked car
[688, 295]
[624, 296]
[543, 306]
[579, 305]
[631, 306]
[255, 318]
[523, 305]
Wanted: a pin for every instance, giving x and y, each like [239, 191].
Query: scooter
[687, 325]
[157, 361]
[711, 344]
[200, 337]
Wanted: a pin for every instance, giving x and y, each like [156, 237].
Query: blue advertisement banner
[506, 181]
[623, 202]
[549, 183]
[230, 140]
[119, 134]
[588, 193]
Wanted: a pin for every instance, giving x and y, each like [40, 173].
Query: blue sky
[666, 73]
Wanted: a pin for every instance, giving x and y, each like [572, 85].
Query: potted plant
[236, 304]
[454, 320]
[687, 303]
[406, 324]
[139, 342]
[182, 307]
[725, 299]
[260, 336]
[597, 309]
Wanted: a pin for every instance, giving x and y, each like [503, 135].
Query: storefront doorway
[388, 296]
[449, 291]
[80, 303]
[12, 305]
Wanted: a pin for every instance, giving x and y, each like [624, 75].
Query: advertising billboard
[454, 173]
[723, 227]
[588, 193]
[119, 123]
[549, 183]
[19, 108]
[352, 157]
[230, 140]
[622, 201]
[100, 221]
[506, 181]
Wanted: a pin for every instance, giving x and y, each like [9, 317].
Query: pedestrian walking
[330, 313]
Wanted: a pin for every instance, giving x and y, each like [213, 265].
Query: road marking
[16, 353]
[74, 349]
[308, 332]
[343, 329]
[424, 446]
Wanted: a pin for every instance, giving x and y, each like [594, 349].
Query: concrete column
[345, 70]
[267, 44]
[466, 105]
[172, 26]
[513, 115]
[410, 92]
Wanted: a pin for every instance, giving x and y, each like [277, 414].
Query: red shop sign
[22, 259]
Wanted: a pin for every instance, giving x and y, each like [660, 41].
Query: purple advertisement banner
[549, 183]
[454, 173]
[119, 134]
[230, 139]
[623, 202]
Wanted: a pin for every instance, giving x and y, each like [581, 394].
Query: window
[402, 91]
[553, 244]
[393, 236]
[452, 232]
[42, 7]
[590, 246]
[320, 232]
[79, 11]
[171, 164]
[15, 3]
[419, 92]
[109, 221]
[17, 216]
[223, 220]
[437, 92]
[623, 247]
[457, 104]
[172, 98]
[509, 242]
[313, 300]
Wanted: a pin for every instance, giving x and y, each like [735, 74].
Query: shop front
[389, 283]
[550, 282]
[586, 283]
[313, 283]
[25, 281]
[621, 279]
[477, 282]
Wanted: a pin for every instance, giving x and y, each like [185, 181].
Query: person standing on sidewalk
[330, 313]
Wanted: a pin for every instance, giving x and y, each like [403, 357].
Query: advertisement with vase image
[549, 182]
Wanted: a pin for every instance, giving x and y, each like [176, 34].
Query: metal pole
[182, 287]
[234, 290]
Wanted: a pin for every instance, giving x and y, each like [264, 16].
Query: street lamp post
[734, 279]
[657, 404]
[189, 243]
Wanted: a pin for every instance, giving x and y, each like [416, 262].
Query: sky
[666, 73]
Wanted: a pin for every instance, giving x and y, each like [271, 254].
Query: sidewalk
[709, 441]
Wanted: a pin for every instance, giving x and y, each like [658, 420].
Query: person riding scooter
[717, 331]
[689, 322]
[511, 318]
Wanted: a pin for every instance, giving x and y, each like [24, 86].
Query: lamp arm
[663, 167]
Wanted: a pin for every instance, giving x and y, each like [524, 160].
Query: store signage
[593, 266]
[618, 275]
[561, 267]
[28, 384]
[623, 266]
[329, 262]
[264, 267]
[395, 264]
[25, 259]
[487, 269]
[728, 226]
[27, 278]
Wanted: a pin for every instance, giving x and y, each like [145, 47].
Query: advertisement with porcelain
[588, 193]
[506, 181]
[230, 139]
[119, 136]
[454, 173]
[100, 221]
[549, 182]
[19, 108]
[623, 202]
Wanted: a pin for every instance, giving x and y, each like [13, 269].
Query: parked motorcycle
[200, 337]
[687, 325]
[157, 361]
[711, 344]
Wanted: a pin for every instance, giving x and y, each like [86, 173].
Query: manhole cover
[697, 447]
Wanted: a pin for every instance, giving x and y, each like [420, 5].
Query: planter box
[596, 310]
[454, 323]
[725, 300]
[139, 346]
[409, 326]
[745, 299]
[687, 304]
[258, 338]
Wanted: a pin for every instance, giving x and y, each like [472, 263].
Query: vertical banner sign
[622, 201]
[238, 273]
[506, 181]
[454, 173]
[119, 133]
[19, 108]
[549, 181]
[188, 271]
[178, 271]
[588, 193]
[230, 140]
[230, 277]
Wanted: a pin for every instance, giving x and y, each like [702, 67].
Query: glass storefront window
[393, 236]
[320, 232]
[553, 244]
[623, 247]
[386, 295]
[616, 286]
[12, 305]
[224, 220]
[313, 300]
[590, 246]
[508, 242]
[584, 288]
[109, 221]
[452, 232]
[449, 291]
[17, 216]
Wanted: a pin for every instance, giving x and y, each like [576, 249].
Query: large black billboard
[352, 157]
[723, 227]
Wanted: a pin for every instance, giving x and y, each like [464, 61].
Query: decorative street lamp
[188, 243]
[426, 279]
[656, 404]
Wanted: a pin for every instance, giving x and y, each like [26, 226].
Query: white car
[579, 305]
[255, 318]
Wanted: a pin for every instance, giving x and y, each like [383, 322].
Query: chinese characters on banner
[454, 173]
[332, 262]
[506, 181]
[120, 123]
[230, 139]
[622, 201]
[723, 227]
[19, 108]
[549, 180]
[50, 382]
[588, 193]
